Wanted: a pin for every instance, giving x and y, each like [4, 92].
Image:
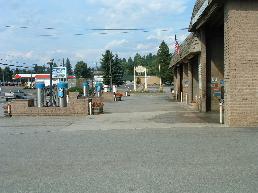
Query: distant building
[31, 79]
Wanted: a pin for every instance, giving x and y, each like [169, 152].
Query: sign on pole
[140, 69]
[59, 72]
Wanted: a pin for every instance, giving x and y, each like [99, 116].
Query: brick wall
[185, 82]
[76, 106]
[202, 73]
[190, 86]
[241, 63]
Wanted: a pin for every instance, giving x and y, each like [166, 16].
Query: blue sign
[217, 94]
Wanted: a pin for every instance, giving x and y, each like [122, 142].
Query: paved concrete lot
[142, 144]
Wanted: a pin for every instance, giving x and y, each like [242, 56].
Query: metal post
[145, 79]
[160, 81]
[186, 98]
[31, 79]
[181, 97]
[134, 79]
[51, 85]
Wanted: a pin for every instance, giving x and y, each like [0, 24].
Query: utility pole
[51, 86]
[66, 70]
[110, 72]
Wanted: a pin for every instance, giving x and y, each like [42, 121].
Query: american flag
[177, 47]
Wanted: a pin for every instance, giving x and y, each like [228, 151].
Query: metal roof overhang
[209, 8]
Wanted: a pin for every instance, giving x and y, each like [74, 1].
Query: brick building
[219, 59]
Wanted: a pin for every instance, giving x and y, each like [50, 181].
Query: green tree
[55, 65]
[1, 74]
[8, 74]
[81, 70]
[138, 60]
[163, 59]
[106, 66]
[39, 69]
[68, 67]
[16, 71]
[118, 71]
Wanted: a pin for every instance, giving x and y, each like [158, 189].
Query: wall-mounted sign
[59, 72]
[214, 80]
[217, 94]
[186, 83]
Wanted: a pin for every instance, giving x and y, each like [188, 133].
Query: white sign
[59, 72]
[140, 69]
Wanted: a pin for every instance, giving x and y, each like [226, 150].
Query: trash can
[98, 87]
[85, 89]
[62, 92]
[40, 86]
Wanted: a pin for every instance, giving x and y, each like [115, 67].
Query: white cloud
[144, 46]
[115, 44]
[159, 35]
[130, 12]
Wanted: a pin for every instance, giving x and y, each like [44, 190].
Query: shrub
[75, 89]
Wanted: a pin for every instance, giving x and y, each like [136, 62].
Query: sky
[35, 31]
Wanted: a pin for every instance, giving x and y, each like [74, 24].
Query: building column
[241, 63]
[202, 73]
[185, 81]
[177, 90]
[190, 85]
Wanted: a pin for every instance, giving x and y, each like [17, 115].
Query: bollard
[67, 99]
[221, 112]
[90, 108]
[176, 95]
[9, 109]
[186, 98]
[181, 97]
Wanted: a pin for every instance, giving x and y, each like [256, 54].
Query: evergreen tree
[68, 67]
[16, 71]
[39, 69]
[1, 74]
[163, 59]
[130, 65]
[118, 71]
[138, 60]
[55, 65]
[106, 66]
[82, 71]
[8, 74]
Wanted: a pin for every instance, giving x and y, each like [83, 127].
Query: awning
[42, 76]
